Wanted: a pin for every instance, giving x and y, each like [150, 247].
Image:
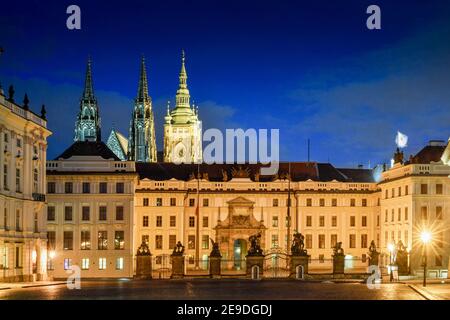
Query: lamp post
[425, 236]
[391, 250]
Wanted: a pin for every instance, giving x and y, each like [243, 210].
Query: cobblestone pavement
[215, 290]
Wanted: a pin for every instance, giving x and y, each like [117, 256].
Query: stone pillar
[177, 266]
[298, 261]
[143, 262]
[338, 264]
[256, 260]
[214, 266]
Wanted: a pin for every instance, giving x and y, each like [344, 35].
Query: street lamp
[391, 249]
[425, 237]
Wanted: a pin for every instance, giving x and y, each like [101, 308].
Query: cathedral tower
[87, 126]
[182, 128]
[141, 141]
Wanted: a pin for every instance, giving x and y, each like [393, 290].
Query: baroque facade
[23, 145]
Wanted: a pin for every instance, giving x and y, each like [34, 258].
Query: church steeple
[182, 97]
[142, 94]
[141, 140]
[87, 126]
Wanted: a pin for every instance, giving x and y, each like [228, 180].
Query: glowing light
[33, 256]
[52, 254]
[390, 247]
[401, 140]
[425, 236]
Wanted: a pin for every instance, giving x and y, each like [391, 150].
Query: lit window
[102, 263]
[67, 263]
[85, 264]
[119, 263]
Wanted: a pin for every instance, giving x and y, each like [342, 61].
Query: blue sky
[310, 68]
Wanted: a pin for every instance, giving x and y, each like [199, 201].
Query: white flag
[401, 140]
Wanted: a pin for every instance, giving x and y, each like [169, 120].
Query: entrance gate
[276, 265]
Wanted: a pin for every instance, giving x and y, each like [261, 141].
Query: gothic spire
[88, 92]
[183, 74]
[142, 94]
[182, 96]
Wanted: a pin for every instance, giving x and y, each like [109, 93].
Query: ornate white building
[182, 127]
[23, 147]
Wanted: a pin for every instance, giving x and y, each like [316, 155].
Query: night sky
[310, 68]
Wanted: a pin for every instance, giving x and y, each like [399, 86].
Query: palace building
[23, 147]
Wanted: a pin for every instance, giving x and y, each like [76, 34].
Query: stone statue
[255, 247]
[143, 250]
[298, 245]
[373, 254]
[401, 258]
[178, 250]
[337, 250]
[215, 252]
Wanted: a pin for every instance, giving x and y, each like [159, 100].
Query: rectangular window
[386, 216]
[275, 202]
[352, 221]
[158, 242]
[102, 263]
[439, 213]
[321, 241]
[352, 202]
[85, 264]
[275, 221]
[191, 202]
[439, 188]
[172, 241]
[191, 222]
[322, 202]
[206, 202]
[119, 263]
[173, 221]
[309, 202]
[120, 187]
[364, 241]
[173, 202]
[103, 187]
[102, 240]
[18, 182]
[86, 187]
[322, 221]
[423, 188]
[159, 221]
[378, 221]
[352, 239]
[119, 240]
[68, 187]
[51, 213]
[205, 222]
[406, 190]
[399, 191]
[406, 213]
[334, 202]
[438, 261]
[19, 143]
[309, 221]
[393, 193]
[191, 242]
[85, 213]
[386, 194]
[424, 213]
[274, 241]
[18, 220]
[364, 221]
[308, 242]
[159, 202]
[145, 238]
[145, 221]
[5, 177]
[51, 240]
[102, 215]
[51, 187]
[67, 263]
[68, 213]
[334, 221]
[406, 238]
[333, 240]
[205, 242]
[392, 215]
[85, 240]
[399, 214]
[119, 213]
[145, 202]
[68, 240]
[364, 202]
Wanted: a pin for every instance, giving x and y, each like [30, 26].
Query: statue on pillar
[178, 250]
[255, 246]
[298, 245]
[373, 254]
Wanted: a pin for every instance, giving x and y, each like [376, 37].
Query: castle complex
[101, 201]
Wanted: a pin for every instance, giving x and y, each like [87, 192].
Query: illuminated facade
[23, 145]
[182, 127]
